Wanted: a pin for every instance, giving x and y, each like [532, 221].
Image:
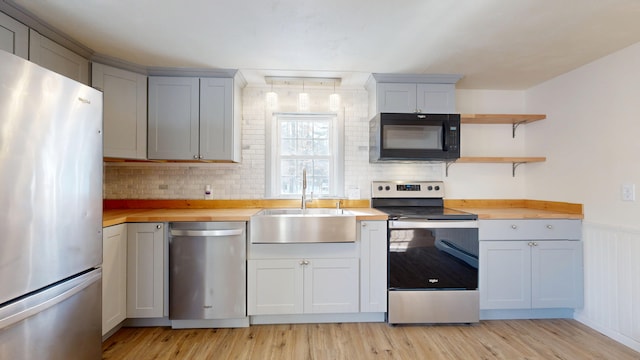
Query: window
[305, 141]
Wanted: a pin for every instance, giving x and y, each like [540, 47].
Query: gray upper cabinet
[14, 36]
[216, 119]
[406, 93]
[125, 111]
[173, 118]
[56, 57]
[194, 119]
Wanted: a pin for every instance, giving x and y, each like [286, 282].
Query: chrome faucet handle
[304, 178]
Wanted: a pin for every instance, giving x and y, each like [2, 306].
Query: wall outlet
[628, 192]
[208, 194]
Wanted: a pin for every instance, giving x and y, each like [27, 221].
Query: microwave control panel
[453, 137]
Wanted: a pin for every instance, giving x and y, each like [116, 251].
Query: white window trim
[271, 154]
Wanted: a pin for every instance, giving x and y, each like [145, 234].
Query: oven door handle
[432, 224]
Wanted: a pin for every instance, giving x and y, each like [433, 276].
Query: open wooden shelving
[514, 120]
[500, 118]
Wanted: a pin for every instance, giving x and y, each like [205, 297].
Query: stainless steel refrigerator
[50, 214]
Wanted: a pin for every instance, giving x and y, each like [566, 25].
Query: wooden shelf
[514, 161]
[500, 118]
[488, 159]
[514, 120]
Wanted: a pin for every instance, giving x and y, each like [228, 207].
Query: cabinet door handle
[195, 157]
[158, 227]
[549, 226]
[364, 224]
[514, 226]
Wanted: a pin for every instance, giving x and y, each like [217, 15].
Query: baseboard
[316, 318]
[622, 339]
[520, 314]
[210, 324]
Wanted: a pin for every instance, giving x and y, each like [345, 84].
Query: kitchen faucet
[304, 190]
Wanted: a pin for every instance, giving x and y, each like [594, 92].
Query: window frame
[272, 153]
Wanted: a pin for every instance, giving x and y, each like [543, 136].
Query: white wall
[592, 142]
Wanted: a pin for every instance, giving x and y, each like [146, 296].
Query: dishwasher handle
[207, 233]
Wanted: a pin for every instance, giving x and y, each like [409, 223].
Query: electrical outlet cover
[628, 192]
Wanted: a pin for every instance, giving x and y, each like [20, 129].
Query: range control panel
[407, 189]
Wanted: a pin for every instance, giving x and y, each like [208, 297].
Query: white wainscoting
[612, 282]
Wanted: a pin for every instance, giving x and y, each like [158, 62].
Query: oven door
[433, 255]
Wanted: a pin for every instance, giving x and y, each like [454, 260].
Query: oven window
[433, 258]
[419, 137]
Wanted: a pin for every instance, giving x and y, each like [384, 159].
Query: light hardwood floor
[512, 339]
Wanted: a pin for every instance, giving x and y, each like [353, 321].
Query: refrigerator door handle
[32, 305]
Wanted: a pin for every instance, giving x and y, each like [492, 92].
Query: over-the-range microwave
[414, 137]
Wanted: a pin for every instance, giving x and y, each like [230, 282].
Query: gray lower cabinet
[56, 57]
[530, 264]
[114, 276]
[145, 270]
[320, 278]
[14, 36]
[194, 118]
[124, 112]
[304, 285]
[373, 266]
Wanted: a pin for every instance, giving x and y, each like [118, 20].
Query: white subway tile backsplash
[247, 179]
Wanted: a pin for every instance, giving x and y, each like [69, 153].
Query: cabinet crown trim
[416, 78]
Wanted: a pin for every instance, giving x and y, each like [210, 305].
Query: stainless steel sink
[315, 225]
[305, 212]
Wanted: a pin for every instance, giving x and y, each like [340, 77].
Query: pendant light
[334, 99]
[272, 99]
[303, 100]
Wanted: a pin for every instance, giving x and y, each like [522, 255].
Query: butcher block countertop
[518, 209]
[122, 211]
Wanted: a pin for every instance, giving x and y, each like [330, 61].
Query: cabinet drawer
[530, 229]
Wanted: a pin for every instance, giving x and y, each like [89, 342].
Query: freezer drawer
[61, 322]
[207, 276]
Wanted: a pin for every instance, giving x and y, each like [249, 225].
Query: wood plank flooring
[512, 339]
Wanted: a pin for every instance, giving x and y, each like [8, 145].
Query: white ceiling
[494, 44]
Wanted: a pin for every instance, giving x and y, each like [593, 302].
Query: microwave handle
[445, 145]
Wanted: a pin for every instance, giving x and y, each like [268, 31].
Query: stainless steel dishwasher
[207, 270]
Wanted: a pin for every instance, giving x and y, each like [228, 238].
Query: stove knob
[380, 188]
[437, 188]
[387, 187]
[430, 188]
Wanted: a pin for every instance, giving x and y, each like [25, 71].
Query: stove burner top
[415, 200]
[426, 213]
